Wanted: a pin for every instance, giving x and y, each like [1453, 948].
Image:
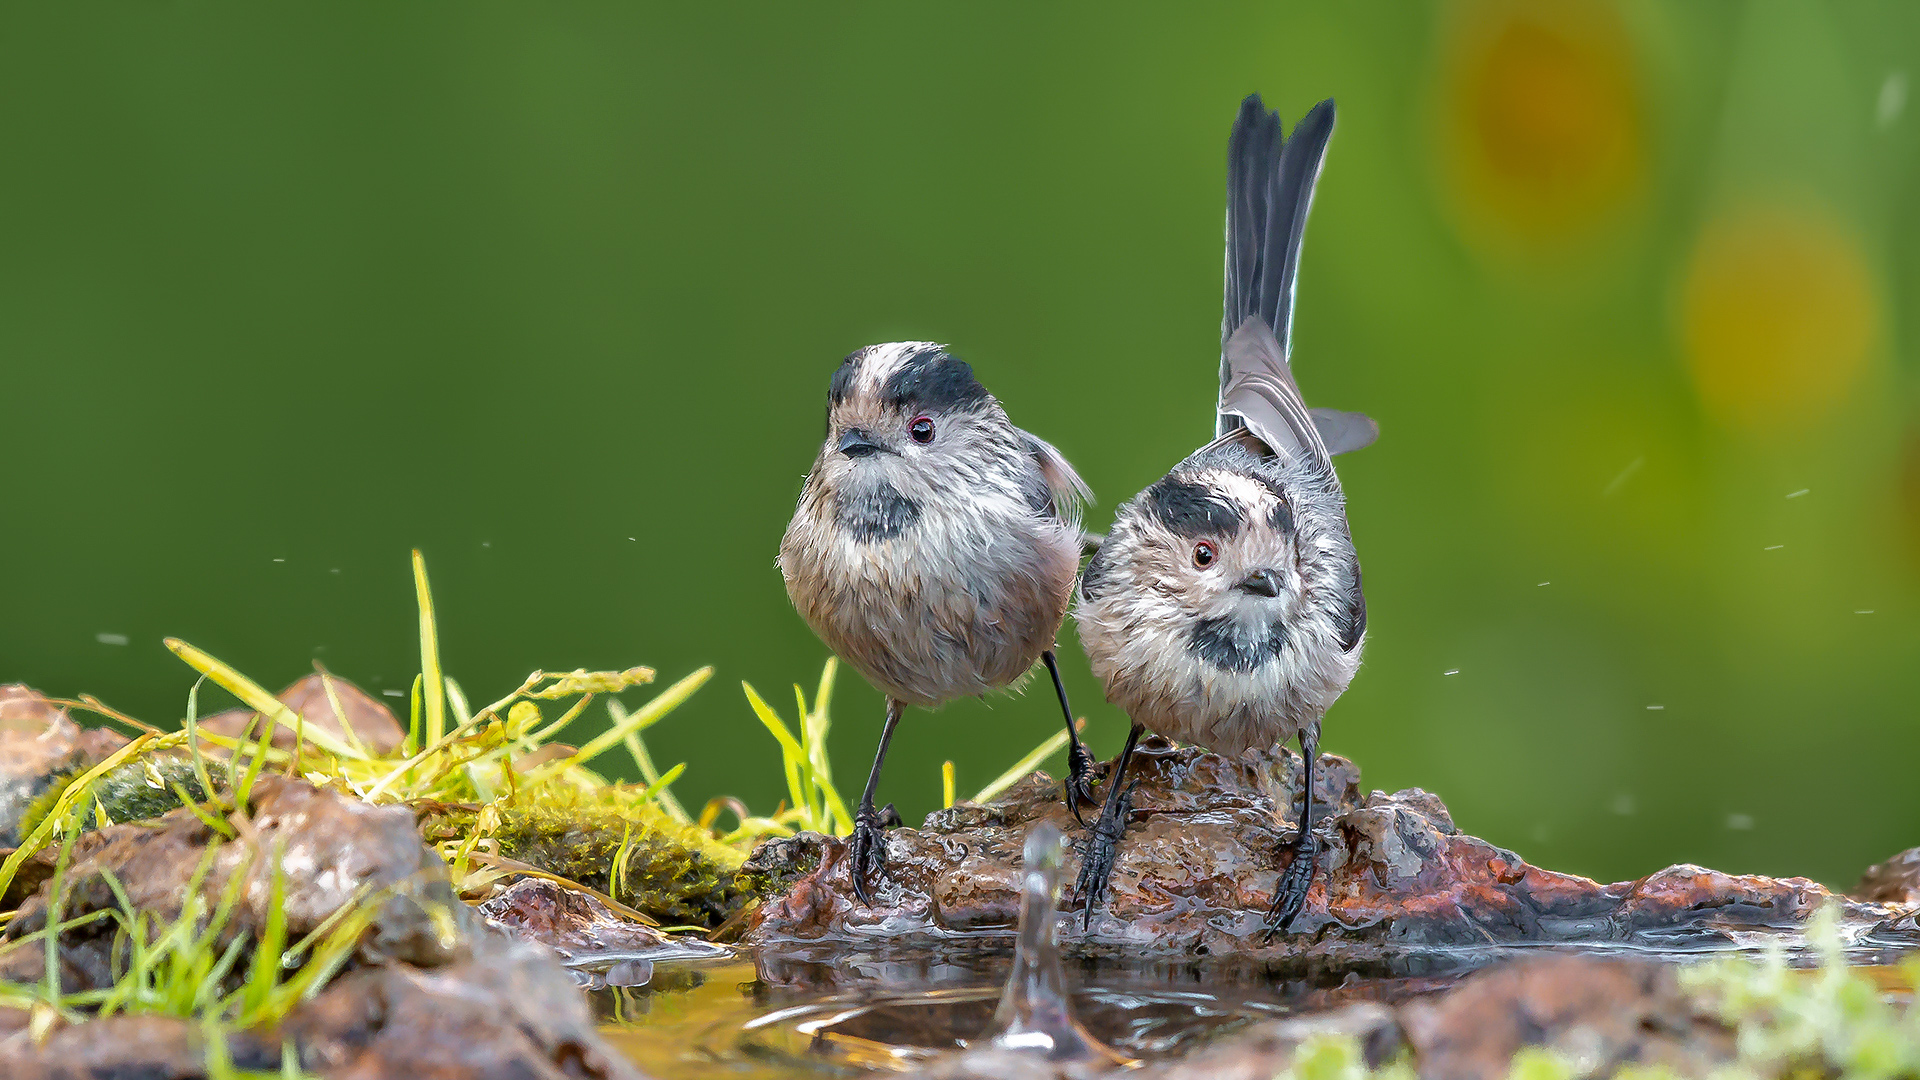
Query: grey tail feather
[1270, 183]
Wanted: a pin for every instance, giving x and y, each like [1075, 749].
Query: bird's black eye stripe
[933, 381]
[1093, 580]
[842, 384]
[1190, 510]
[1281, 516]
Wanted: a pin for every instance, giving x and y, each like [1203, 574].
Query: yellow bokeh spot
[1777, 315]
[1541, 120]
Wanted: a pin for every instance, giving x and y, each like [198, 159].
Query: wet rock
[1896, 881]
[372, 722]
[329, 846]
[126, 1048]
[509, 1013]
[1401, 891]
[34, 870]
[584, 931]
[1598, 1014]
[40, 746]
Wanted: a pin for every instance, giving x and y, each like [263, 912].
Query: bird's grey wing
[1262, 397]
[1270, 183]
[1344, 432]
[1066, 492]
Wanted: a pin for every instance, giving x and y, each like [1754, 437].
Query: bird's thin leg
[868, 848]
[1097, 867]
[1079, 762]
[1290, 892]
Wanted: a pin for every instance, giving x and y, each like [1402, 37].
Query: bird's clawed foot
[1102, 844]
[1079, 782]
[1290, 892]
[867, 850]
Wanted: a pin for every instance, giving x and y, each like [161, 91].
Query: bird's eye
[1203, 555]
[921, 429]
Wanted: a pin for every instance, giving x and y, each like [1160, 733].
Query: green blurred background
[554, 292]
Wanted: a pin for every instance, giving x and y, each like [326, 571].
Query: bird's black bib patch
[879, 513]
[1223, 643]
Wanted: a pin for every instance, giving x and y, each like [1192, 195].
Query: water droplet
[1655, 708]
[1451, 671]
[1893, 99]
[1625, 475]
[1797, 494]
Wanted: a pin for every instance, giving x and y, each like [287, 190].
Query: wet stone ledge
[1400, 889]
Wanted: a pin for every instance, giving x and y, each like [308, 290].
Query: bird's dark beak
[855, 443]
[1261, 583]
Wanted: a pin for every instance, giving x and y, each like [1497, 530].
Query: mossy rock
[140, 790]
[676, 873]
[779, 862]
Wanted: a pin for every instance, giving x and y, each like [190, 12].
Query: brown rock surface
[330, 846]
[1203, 850]
[1896, 881]
[1599, 1014]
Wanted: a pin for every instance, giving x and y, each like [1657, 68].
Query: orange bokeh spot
[1777, 316]
[1542, 121]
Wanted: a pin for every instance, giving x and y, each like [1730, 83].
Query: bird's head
[906, 422]
[1206, 555]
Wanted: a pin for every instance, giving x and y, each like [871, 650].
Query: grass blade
[1022, 767]
[250, 693]
[429, 653]
[639, 720]
[790, 751]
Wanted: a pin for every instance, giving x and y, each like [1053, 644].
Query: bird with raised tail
[1224, 607]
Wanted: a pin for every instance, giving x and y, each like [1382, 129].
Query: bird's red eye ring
[1203, 554]
[921, 429]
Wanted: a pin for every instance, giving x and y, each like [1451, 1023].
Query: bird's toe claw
[1096, 870]
[1290, 892]
[866, 852]
[1079, 782]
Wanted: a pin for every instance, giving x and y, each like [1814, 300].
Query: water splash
[1035, 1014]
